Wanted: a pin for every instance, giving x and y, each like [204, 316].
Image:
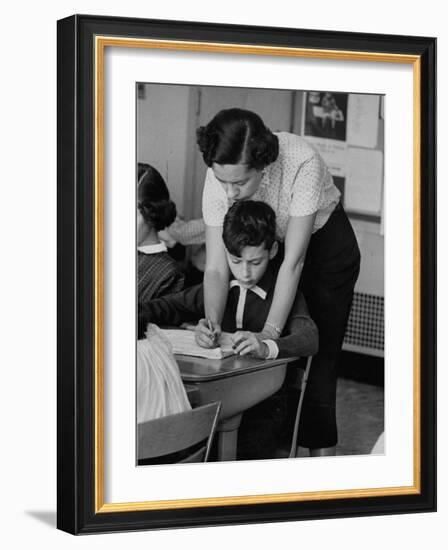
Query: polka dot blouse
[298, 183]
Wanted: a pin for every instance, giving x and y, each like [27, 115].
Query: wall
[163, 135]
[368, 231]
[371, 245]
[166, 119]
[28, 276]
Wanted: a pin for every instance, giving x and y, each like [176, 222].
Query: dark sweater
[158, 275]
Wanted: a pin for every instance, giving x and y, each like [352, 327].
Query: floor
[360, 413]
[360, 409]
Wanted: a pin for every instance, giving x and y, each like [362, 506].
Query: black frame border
[76, 262]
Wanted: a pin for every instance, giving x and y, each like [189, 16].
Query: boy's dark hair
[154, 199]
[248, 223]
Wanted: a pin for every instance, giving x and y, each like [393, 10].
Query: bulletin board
[348, 131]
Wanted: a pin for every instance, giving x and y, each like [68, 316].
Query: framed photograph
[175, 141]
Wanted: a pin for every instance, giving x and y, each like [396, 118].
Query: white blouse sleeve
[214, 201]
[308, 186]
[186, 233]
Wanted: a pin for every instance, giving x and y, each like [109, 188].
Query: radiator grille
[365, 329]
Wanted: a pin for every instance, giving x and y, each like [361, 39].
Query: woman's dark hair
[248, 223]
[237, 135]
[154, 199]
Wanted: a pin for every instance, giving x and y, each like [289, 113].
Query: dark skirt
[328, 279]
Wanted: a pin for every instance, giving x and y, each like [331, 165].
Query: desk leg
[228, 437]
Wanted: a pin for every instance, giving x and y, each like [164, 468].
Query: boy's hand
[205, 337]
[245, 342]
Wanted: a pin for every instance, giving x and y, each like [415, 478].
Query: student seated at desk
[158, 273]
[249, 238]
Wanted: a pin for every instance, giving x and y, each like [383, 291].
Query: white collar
[242, 300]
[256, 289]
[152, 248]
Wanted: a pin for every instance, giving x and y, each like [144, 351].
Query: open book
[183, 343]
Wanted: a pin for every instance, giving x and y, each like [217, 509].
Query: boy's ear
[273, 251]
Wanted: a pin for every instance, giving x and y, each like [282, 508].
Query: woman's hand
[205, 337]
[245, 342]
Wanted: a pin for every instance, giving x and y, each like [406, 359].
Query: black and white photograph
[326, 115]
[260, 273]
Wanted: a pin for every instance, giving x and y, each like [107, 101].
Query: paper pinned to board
[333, 152]
[362, 120]
[184, 343]
[363, 183]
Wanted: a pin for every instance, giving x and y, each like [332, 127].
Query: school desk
[238, 382]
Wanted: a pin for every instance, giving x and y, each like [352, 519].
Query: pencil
[210, 328]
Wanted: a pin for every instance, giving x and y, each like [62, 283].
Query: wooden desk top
[198, 369]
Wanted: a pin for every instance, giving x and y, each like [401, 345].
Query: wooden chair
[178, 437]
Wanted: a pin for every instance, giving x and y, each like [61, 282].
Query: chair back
[178, 432]
[293, 451]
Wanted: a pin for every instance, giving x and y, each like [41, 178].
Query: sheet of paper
[362, 120]
[333, 152]
[184, 343]
[363, 183]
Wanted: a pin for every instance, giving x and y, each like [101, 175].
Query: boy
[249, 239]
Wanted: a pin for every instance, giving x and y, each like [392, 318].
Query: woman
[246, 160]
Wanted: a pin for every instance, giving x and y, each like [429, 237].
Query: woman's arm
[298, 235]
[216, 276]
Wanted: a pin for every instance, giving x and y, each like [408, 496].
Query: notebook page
[183, 343]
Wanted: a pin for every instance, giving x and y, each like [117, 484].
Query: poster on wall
[326, 115]
[344, 128]
[325, 127]
[362, 120]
